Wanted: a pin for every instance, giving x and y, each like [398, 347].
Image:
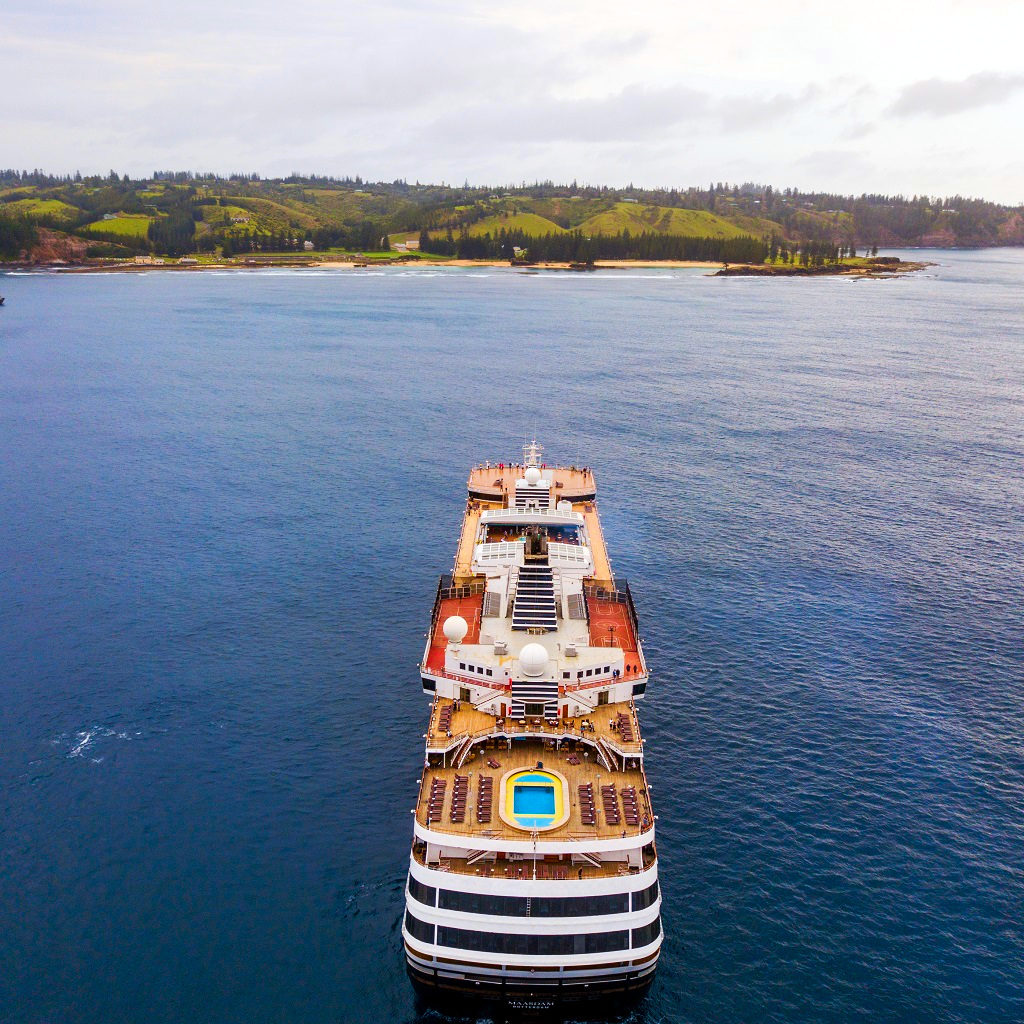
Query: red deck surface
[609, 621]
[610, 626]
[469, 608]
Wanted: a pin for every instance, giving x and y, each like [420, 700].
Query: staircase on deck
[534, 606]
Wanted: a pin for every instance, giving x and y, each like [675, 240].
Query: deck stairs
[534, 606]
[535, 691]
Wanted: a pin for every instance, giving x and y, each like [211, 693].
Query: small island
[868, 266]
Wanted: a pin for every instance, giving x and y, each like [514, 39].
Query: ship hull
[457, 991]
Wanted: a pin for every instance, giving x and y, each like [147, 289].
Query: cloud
[741, 112]
[937, 97]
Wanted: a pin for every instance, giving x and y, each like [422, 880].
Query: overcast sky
[898, 96]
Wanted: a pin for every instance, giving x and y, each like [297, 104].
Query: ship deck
[498, 483]
[494, 488]
[545, 870]
[525, 754]
[610, 626]
[598, 724]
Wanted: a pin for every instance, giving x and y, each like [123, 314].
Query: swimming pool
[534, 799]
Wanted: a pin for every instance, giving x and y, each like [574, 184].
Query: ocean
[225, 499]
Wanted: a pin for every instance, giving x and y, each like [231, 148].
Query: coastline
[881, 268]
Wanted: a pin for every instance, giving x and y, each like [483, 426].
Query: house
[307, 245]
[400, 247]
[412, 243]
[239, 220]
[187, 261]
[148, 261]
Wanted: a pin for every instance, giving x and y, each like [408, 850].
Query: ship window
[565, 675]
[518, 906]
[464, 693]
[579, 675]
[428, 684]
[490, 672]
[534, 710]
[532, 945]
[645, 897]
[462, 666]
[639, 688]
[646, 935]
[425, 894]
[602, 697]
[589, 672]
[419, 929]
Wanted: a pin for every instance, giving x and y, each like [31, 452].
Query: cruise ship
[533, 877]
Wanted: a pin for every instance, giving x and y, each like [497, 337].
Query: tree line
[576, 247]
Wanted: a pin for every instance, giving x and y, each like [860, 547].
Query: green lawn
[134, 225]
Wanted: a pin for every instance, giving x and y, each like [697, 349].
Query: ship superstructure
[533, 879]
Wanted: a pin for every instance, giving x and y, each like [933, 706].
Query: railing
[542, 731]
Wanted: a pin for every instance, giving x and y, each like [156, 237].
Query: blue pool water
[531, 803]
[224, 503]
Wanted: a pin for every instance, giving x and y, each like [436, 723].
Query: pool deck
[526, 754]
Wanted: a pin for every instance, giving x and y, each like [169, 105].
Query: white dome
[564, 506]
[455, 628]
[532, 476]
[533, 660]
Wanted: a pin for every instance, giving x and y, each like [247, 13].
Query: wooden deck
[495, 483]
[467, 538]
[602, 564]
[526, 754]
[467, 721]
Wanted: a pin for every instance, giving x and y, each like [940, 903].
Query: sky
[895, 97]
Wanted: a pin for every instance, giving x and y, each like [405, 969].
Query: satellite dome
[455, 628]
[532, 476]
[533, 660]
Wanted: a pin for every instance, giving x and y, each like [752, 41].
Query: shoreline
[884, 268]
[341, 264]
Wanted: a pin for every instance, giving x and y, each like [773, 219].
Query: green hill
[52, 209]
[663, 220]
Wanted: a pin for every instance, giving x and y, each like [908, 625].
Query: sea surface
[225, 499]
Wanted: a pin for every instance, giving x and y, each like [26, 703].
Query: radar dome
[455, 628]
[532, 476]
[533, 660]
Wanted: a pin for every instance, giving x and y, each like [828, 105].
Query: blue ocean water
[224, 502]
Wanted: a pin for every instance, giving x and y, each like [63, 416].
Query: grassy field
[661, 219]
[530, 223]
[43, 208]
[281, 217]
[131, 225]
[594, 217]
